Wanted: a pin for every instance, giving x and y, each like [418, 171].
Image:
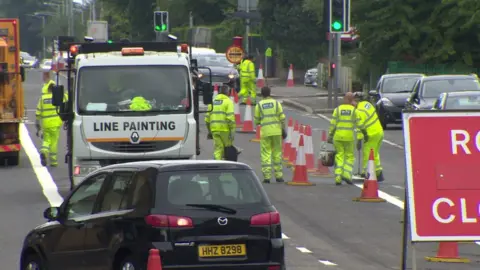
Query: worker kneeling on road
[47, 81]
[344, 121]
[269, 115]
[374, 129]
[248, 87]
[220, 120]
[50, 123]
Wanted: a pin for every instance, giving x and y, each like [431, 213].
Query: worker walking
[50, 123]
[374, 129]
[248, 87]
[345, 120]
[220, 120]
[269, 115]
[47, 81]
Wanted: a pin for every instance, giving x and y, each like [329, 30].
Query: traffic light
[331, 69]
[160, 21]
[339, 16]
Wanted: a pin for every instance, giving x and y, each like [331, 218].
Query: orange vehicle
[11, 92]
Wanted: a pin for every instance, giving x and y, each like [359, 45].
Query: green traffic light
[109, 41]
[337, 25]
[164, 27]
[157, 27]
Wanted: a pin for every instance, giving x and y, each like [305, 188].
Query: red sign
[442, 151]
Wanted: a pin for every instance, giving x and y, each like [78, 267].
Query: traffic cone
[236, 108]
[287, 144]
[260, 78]
[322, 170]
[154, 260]
[215, 90]
[257, 134]
[309, 156]
[301, 133]
[247, 121]
[290, 82]
[447, 252]
[292, 156]
[300, 176]
[370, 185]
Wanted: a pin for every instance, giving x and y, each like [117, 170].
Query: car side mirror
[57, 95]
[372, 92]
[51, 213]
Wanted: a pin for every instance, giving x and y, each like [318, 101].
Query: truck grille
[126, 147]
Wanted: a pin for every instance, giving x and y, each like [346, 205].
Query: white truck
[103, 127]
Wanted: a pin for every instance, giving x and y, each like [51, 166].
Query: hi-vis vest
[46, 86]
[47, 113]
[221, 114]
[369, 117]
[269, 115]
[247, 70]
[345, 118]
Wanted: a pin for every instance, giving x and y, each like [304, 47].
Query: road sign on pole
[234, 54]
[442, 151]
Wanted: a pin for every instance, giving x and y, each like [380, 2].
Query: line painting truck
[12, 75]
[128, 102]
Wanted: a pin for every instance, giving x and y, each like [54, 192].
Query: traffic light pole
[338, 67]
[330, 79]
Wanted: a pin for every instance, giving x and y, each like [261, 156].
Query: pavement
[323, 228]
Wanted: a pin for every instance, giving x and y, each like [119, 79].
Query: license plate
[222, 250]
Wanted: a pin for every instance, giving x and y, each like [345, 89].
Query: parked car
[427, 89]
[223, 72]
[46, 64]
[464, 100]
[201, 214]
[310, 78]
[390, 94]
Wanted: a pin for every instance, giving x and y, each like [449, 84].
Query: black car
[200, 214]
[427, 89]
[464, 100]
[390, 94]
[222, 71]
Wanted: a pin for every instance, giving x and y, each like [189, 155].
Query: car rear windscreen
[432, 89]
[230, 188]
[463, 103]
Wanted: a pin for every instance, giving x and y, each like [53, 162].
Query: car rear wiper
[214, 207]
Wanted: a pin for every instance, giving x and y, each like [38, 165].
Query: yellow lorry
[11, 92]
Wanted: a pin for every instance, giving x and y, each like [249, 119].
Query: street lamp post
[43, 15]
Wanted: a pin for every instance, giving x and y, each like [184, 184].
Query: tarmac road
[323, 228]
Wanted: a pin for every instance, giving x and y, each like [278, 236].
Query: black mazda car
[222, 71]
[200, 214]
[390, 95]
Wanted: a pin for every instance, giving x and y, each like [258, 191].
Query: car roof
[180, 165]
[448, 77]
[463, 93]
[395, 75]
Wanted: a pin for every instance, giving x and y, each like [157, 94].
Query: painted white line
[328, 263]
[478, 243]
[284, 236]
[49, 187]
[304, 250]
[399, 187]
[385, 141]
[389, 198]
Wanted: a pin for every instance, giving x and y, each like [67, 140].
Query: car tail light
[274, 267]
[271, 218]
[164, 221]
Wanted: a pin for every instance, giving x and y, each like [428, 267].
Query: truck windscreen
[119, 89]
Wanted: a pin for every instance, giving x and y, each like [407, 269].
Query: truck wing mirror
[57, 95]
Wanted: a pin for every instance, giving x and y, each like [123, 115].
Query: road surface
[323, 228]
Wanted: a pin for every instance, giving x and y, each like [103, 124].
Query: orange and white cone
[290, 82]
[154, 261]
[247, 120]
[292, 156]
[322, 170]
[287, 144]
[215, 91]
[300, 175]
[301, 133]
[447, 252]
[260, 78]
[257, 134]
[236, 108]
[370, 185]
[309, 155]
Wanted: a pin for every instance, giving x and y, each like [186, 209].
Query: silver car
[310, 78]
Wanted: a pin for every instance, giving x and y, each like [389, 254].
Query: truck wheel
[13, 159]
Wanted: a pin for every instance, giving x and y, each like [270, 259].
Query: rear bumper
[10, 148]
[249, 266]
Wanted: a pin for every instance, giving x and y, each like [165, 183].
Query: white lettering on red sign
[451, 217]
[460, 139]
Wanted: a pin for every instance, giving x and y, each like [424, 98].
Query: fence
[345, 79]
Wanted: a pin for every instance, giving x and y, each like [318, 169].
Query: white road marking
[399, 187]
[49, 187]
[284, 236]
[328, 263]
[385, 141]
[389, 198]
[304, 250]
